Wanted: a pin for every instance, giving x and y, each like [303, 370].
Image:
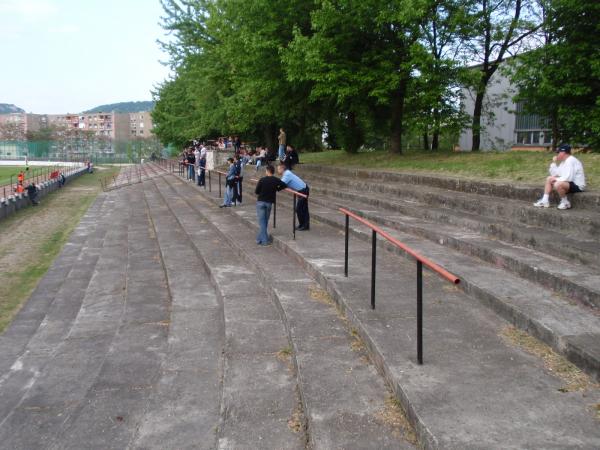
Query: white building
[504, 125]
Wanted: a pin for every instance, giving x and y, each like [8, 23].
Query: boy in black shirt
[266, 190]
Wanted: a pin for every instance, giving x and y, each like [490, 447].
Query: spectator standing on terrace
[239, 178]
[291, 158]
[296, 183]
[202, 169]
[191, 165]
[196, 156]
[21, 178]
[61, 179]
[565, 178]
[266, 191]
[32, 193]
[229, 183]
[237, 144]
[282, 138]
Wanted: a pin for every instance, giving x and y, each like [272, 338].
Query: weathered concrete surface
[118, 359]
[475, 390]
[342, 395]
[589, 200]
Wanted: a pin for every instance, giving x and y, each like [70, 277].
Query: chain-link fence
[100, 152]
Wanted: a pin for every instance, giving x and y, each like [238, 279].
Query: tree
[359, 56]
[229, 73]
[500, 28]
[561, 79]
[435, 103]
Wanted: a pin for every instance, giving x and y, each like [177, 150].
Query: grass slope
[523, 167]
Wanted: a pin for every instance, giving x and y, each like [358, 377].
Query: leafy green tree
[561, 79]
[360, 55]
[435, 104]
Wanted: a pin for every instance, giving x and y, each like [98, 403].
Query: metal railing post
[373, 266]
[275, 213]
[294, 216]
[220, 194]
[346, 238]
[419, 312]
[209, 182]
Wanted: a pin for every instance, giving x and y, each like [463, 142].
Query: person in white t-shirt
[566, 177]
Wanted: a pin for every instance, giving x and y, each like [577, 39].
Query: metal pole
[209, 182]
[275, 213]
[220, 195]
[373, 266]
[294, 216]
[346, 237]
[420, 312]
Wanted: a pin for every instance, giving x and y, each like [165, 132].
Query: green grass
[27, 258]
[521, 166]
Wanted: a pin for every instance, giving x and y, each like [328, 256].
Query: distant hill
[123, 107]
[7, 108]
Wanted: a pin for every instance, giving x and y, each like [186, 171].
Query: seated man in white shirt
[565, 178]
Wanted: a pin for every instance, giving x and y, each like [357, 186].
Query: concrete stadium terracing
[162, 325]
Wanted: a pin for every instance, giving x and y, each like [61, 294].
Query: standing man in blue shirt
[296, 183]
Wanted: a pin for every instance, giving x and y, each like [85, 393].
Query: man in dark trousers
[266, 191]
[202, 170]
[239, 178]
[291, 158]
[296, 183]
[32, 193]
[191, 163]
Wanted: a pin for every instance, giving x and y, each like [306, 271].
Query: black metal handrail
[421, 260]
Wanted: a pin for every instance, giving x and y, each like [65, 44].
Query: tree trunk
[352, 133]
[397, 119]
[435, 138]
[554, 120]
[425, 141]
[477, 120]
[270, 138]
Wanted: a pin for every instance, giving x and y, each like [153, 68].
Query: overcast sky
[60, 56]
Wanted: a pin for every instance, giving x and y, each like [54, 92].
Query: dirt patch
[296, 422]
[357, 344]
[320, 295]
[392, 414]
[574, 379]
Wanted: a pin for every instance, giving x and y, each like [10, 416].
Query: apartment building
[141, 124]
[114, 126]
[15, 126]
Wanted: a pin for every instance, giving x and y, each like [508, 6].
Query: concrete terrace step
[258, 391]
[587, 200]
[574, 280]
[475, 389]
[585, 224]
[29, 318]
[118, 396]
[50, 380]
[184, 409]
[568, 246]
[342, 396]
